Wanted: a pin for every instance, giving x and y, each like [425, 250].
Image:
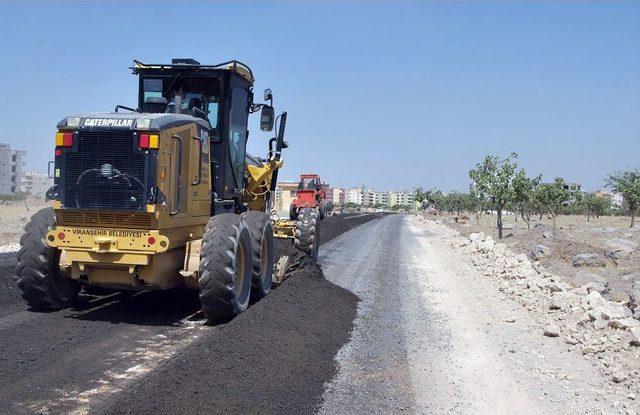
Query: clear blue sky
[389, 95]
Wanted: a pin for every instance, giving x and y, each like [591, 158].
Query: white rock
[563, 300]
[594, 286]
[552, 330]
[600, 308]
[624, 323]
[634, 294]
[537, 267]
[581, 278]
[500, 249]
[557, 286]
[580, 290]
[618, 376]
[477, 237]
[600, 323]
[635, 336]
[540, 251]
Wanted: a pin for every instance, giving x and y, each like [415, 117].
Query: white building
[402, 198]
[336, 196]
[355, 196]
[11, 164]
[381, 198]
[35, 184]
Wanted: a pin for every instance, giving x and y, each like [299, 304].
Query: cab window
[238, 131]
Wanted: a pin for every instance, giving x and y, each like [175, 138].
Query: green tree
[550, 197]
[524, 195]
[493, 181]
[419, 196]
[593, 206]
[431, 198]
[627, 183]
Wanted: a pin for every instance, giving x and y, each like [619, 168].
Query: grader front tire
[261, 253]
[307, 233]
[225, 267]
[43, 285]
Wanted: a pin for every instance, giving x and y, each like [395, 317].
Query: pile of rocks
[605, 332]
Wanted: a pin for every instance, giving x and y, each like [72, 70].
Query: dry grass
[14, 216]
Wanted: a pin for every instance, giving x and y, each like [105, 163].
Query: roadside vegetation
[498, 186]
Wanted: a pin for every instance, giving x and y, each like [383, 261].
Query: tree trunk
[633, 219]
[499, 223]
[526, 218]
[553, 218]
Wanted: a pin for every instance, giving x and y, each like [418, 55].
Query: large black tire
[261, 253]
[307, 233]
[293, 212]
[43, 285]
[225, 267]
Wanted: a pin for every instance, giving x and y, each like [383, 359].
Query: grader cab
[161, 195]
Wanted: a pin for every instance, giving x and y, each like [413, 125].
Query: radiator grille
[105, 172]
[106, 219]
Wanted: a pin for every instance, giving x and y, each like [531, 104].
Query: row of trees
[498, 185]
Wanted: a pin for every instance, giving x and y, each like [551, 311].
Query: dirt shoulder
[603, 250]
[578, 320]
[14, 216]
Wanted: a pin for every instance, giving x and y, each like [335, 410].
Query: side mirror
[268, 96]
[267, 116]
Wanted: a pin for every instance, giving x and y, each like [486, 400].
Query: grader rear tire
[261, 253]
[307, 233]
[225, 267]
[43, 285]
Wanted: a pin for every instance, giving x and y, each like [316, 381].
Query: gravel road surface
[433, 336]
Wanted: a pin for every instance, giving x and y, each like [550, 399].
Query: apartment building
[35, 184]
[285, 193]
[11, 166]
[355, 195]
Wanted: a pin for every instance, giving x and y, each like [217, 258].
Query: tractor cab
[309, 183]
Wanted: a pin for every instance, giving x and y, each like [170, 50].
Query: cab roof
[191, 64]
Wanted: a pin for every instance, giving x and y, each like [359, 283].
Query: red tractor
[312, 194]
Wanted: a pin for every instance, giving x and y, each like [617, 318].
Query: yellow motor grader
[164, 195]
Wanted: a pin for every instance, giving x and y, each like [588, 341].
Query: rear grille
[106, 219]
[106, 172]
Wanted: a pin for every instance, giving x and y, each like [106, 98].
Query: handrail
[198, 179]
[174, 212]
